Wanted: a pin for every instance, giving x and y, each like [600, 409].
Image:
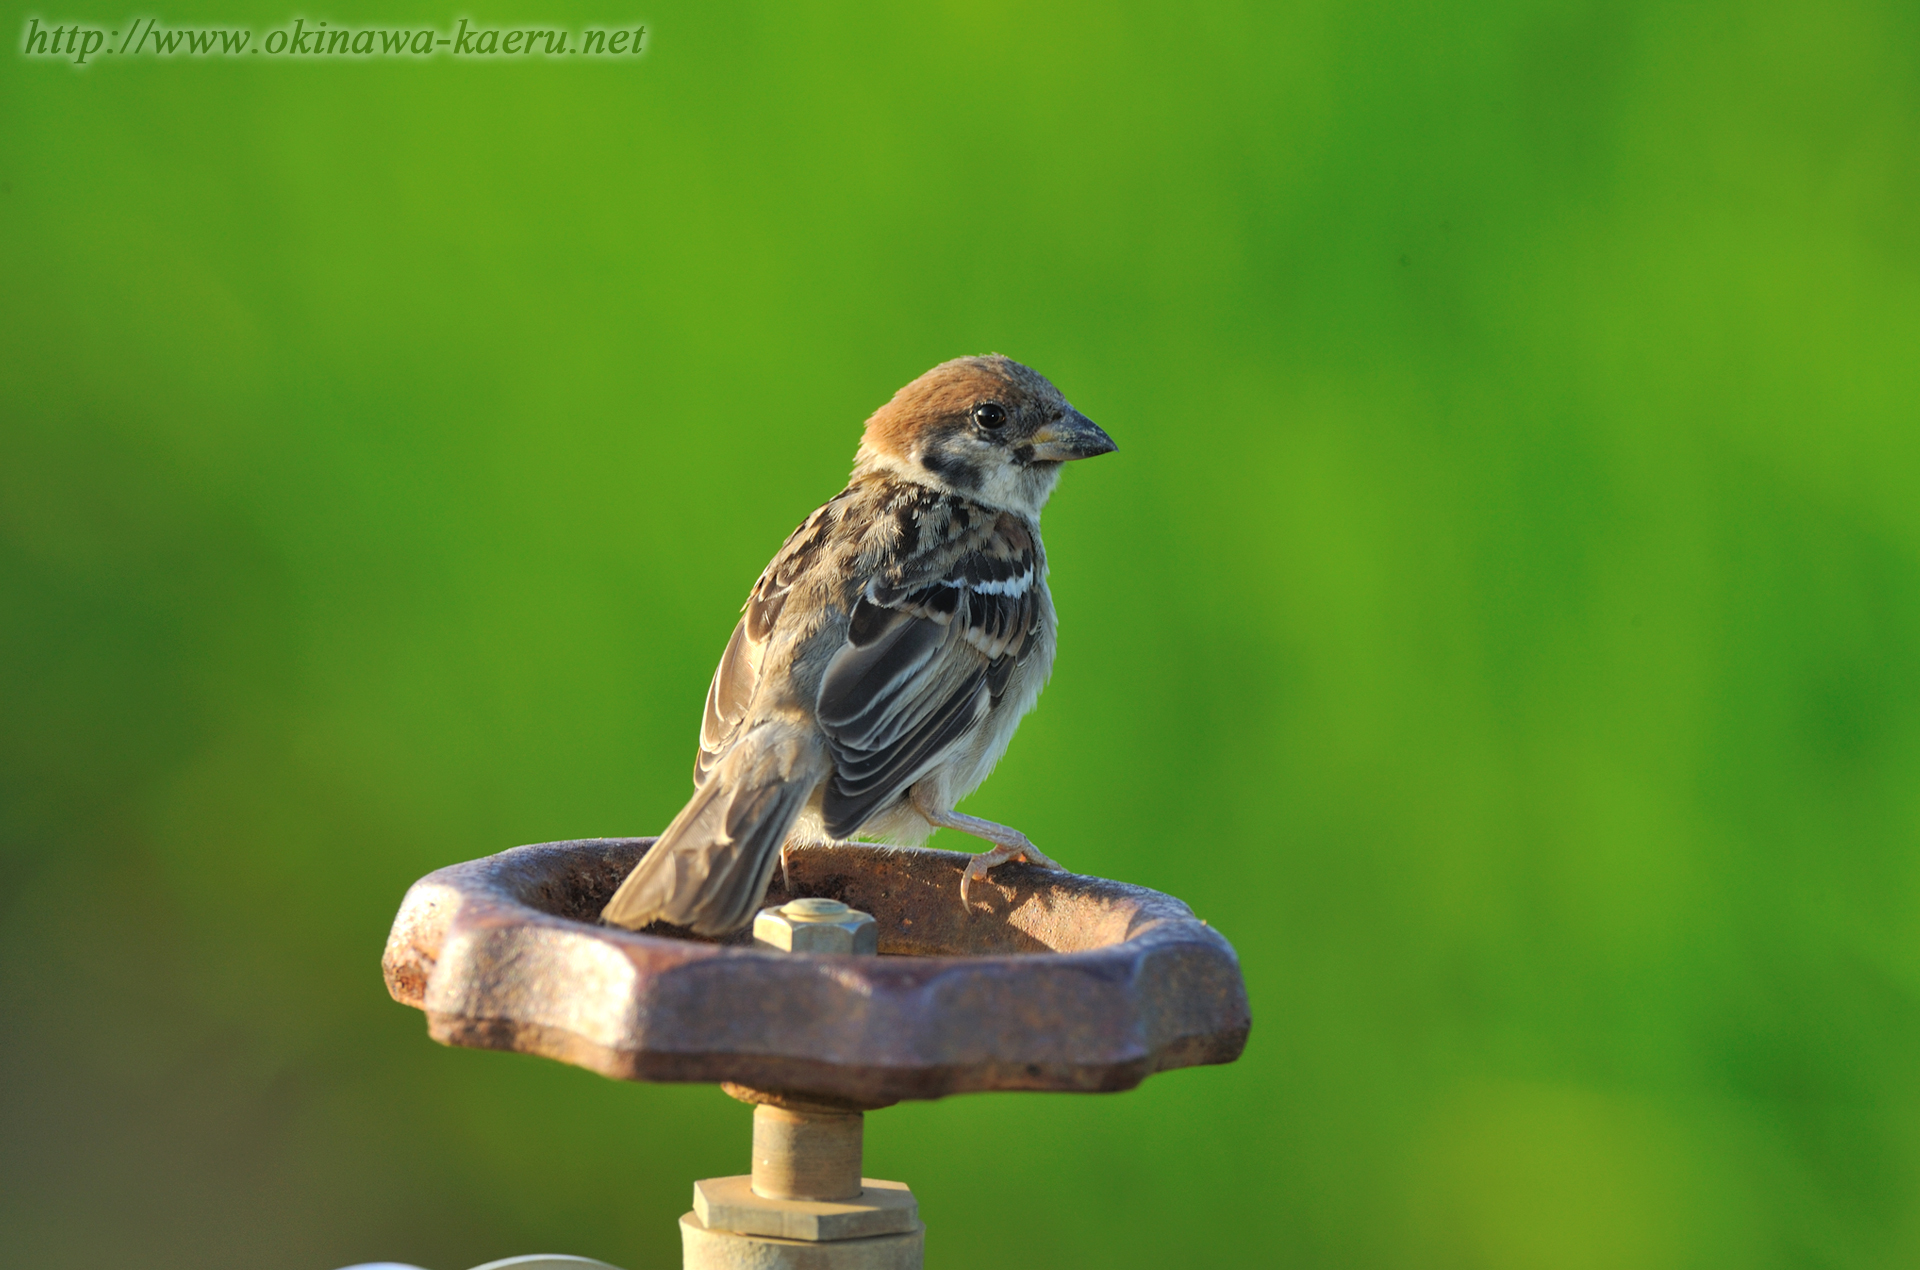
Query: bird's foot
[1002, 853]
[1008, 843]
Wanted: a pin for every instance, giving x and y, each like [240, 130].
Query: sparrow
[885, 656]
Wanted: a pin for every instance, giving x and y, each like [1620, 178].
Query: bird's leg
[785, 880]
[1008, 844]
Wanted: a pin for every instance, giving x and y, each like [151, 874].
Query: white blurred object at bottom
[533, 1261]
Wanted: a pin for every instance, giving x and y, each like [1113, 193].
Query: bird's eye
[989, 414]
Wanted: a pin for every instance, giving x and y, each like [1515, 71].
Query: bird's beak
[1072, 437]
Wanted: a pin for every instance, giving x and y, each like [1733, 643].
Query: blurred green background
[1502, 618]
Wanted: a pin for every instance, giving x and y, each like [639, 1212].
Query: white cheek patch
[1021, 489]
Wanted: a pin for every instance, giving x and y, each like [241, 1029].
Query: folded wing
[739, 671]
[928, 653]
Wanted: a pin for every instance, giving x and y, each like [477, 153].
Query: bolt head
[816, 925]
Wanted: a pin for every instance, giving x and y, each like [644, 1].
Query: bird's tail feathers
[710, 869]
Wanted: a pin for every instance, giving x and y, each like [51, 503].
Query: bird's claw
[981, 863]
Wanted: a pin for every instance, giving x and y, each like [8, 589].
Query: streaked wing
[930, 646]
[738, 674]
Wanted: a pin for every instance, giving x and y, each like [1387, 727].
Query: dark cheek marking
[1023, 454]
[955, 471]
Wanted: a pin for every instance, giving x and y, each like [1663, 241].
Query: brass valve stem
[806, 1154]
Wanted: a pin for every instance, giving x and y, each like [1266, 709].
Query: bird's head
[986, 428]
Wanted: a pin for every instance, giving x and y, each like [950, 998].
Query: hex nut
[816, 925]
[731, 1204]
